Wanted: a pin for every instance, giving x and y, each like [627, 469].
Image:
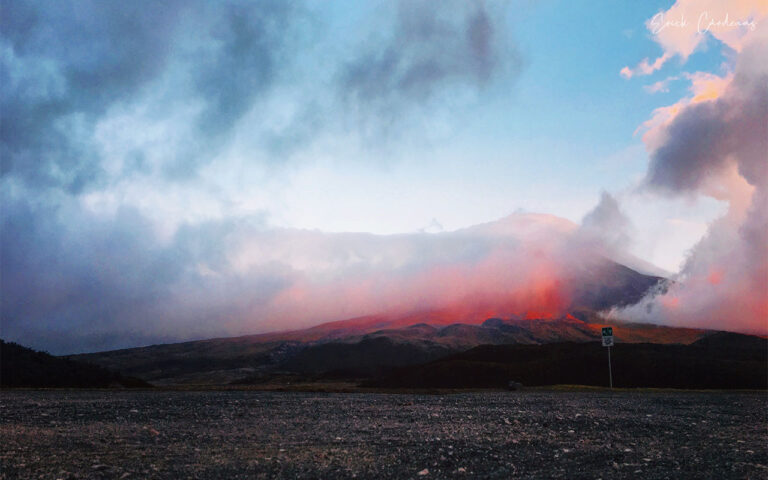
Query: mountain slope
[610, 284]
[722, 360]
[226, 360]
[601, 285]
[367, 344]
[24, 367]
[368, 356]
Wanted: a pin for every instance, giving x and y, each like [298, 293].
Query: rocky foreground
[248, 434]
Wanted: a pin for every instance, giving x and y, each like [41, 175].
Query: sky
[181, 170]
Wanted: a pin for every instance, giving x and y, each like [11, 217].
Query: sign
[608, 342]
[607, 336]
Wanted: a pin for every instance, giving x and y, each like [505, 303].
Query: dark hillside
[721, 361]
[24, 367]
[368, 356]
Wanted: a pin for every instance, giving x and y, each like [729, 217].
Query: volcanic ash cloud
[716, 144]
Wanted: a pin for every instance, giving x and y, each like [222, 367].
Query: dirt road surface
[248, 434]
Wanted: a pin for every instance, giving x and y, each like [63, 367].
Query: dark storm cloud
[74, 281]
[64, 64]
[244, 64]
[248, 49]
[433, 45]
[67, 67]
[62, 270]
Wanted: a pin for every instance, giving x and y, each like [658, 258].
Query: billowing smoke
[716, 144]
[74, 281]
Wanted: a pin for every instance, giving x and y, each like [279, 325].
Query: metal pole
[610, 373]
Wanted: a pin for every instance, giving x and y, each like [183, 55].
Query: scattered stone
[379, 436]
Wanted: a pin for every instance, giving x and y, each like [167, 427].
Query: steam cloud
[716, 144]
[74, 281]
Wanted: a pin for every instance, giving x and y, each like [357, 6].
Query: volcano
[363, 346]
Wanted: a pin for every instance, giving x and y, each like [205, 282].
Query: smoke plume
[715, 143]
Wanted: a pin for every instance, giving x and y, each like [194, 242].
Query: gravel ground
[248, 434]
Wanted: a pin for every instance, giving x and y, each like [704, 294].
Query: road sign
[608, 342]
[607, 336]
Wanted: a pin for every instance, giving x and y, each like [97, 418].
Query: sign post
[608, 342]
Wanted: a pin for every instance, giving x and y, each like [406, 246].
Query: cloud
[606, 224]
[686, 25]
[644, 67]
[101, 94]
[74, 280]
[715, 144]
[428, 52]
[243, 62]
[64, 64]
[129, 132]
[660, 86]
[67, 68]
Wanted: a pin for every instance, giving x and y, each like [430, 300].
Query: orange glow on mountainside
[715, 277]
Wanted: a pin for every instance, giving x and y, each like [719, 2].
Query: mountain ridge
[365, 345]
[231, 359]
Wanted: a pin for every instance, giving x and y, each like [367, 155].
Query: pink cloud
[682, 28]
[715, 143]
